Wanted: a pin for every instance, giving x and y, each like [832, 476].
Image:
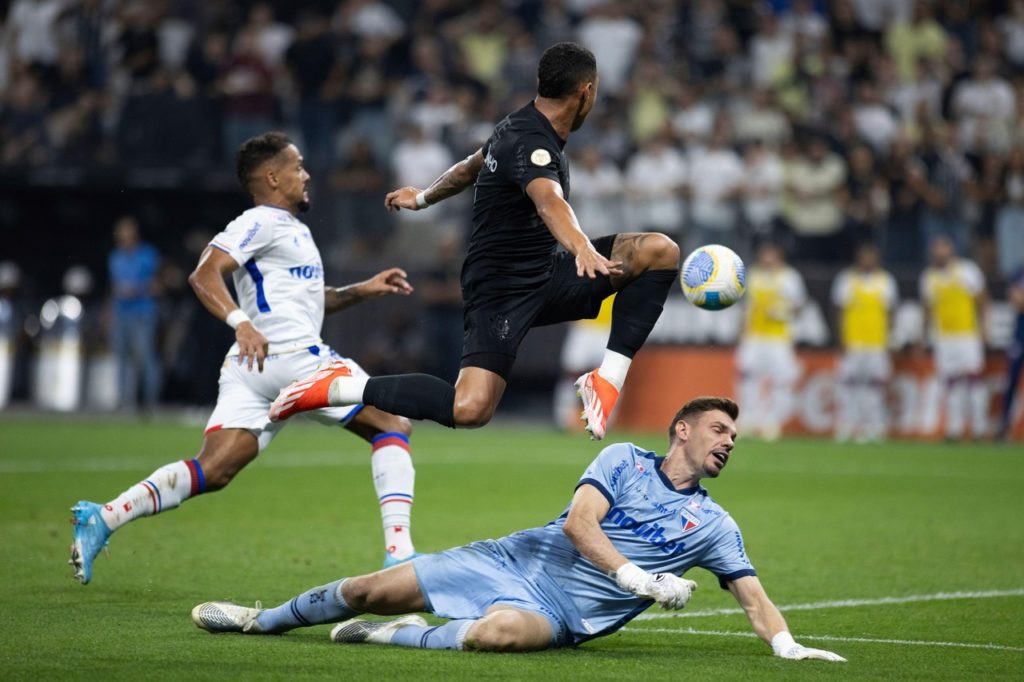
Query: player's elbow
[193, 280]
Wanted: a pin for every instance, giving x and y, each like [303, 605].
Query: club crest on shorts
[540, 157]
[688, 520]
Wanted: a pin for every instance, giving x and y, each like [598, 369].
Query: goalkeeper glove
[670, 591]
[785, 647]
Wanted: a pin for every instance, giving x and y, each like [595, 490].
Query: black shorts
[495, 323]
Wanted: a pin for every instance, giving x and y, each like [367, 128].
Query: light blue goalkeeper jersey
[659, 528]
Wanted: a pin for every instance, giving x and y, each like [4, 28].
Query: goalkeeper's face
[709, 443]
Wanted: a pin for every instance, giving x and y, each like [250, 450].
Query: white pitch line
[847, 603]
[831, 638]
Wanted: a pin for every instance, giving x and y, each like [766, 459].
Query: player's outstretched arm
[451, 182]
[559, 218]
[390, 281]
[768, 623]
[583, 528]
[207, 281]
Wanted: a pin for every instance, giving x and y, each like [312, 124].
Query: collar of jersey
[668, 484]
[279, 208]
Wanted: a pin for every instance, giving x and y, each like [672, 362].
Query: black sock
[637, 307]
[416, 396]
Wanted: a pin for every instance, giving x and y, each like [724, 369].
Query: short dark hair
[698, 406]
[563, 67]
[255, 151]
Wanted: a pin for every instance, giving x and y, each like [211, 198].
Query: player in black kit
[513, 278]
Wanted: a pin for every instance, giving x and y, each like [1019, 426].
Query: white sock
[394, 478]
[166, 488]
[875, 413]
[979, 408]
[956, 407]
[750, 398]
[346, 391]
[614, 368]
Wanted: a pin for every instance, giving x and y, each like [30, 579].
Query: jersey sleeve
[609, 470]
[727, 558]
[536, 156]
[924, 291]
[973, 278]
[244, 237]
[892, 292]
[840, 289]
[796, 290]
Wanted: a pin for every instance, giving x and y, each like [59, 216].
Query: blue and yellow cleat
[390, 561]
[91, 535]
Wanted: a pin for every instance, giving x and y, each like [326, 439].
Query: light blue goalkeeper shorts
[465, 581]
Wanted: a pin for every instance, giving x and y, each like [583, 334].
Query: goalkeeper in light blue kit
[635, 524]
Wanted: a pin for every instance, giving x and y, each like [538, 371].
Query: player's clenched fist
[670, 591]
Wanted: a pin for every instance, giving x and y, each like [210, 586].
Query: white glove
[785, 647]
[670, 591]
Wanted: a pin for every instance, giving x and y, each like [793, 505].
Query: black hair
[563, 68]
[255, 151]
[698, 406]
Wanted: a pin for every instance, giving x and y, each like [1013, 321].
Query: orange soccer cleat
[307, 394]
[599, 397]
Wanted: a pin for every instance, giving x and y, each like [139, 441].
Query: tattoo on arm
[455, 179]
[339, 298]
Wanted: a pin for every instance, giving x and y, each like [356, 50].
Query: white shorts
[583, 349]
[244, 396]
[959, 356]
[771, 359]
[870, 365]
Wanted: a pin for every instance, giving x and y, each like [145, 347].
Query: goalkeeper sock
[636, 309]
[393, 479]
[451, 635]
[323, 604]
[166, 488]
[416, 396]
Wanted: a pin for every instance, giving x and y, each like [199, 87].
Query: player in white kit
[279, 279]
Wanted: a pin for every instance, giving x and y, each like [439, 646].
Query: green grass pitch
[894, 529]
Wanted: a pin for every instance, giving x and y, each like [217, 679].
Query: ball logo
[540, 157]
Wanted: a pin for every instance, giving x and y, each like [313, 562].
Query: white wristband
[782, 641]
[630, 577]
[236, 317]
[421, 200]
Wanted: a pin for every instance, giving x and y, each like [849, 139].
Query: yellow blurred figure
[865, 295]
[765, 358]
[953, 293]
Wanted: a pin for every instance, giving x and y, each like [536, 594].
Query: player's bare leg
[477, 394]
[394, 477]
[224, 454]
[510, 630]
[650, 263]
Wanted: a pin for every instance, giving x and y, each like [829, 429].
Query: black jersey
[511, 248]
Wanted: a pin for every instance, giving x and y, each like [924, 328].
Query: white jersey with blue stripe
[280, 284]
[659, 528]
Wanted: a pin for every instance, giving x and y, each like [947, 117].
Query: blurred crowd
[820, 124]
[815, 125]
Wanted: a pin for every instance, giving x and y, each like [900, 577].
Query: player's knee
[500, 631]
[401, 425]
[472, 413]
[661, 253]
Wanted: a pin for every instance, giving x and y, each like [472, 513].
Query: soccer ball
[713, 277]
